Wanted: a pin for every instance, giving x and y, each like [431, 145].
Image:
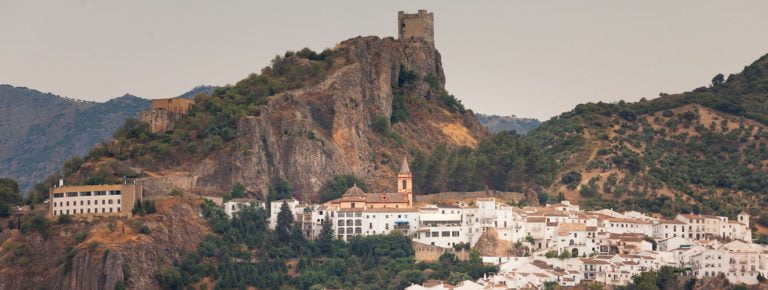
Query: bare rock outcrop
[112, 253]
[309, 135]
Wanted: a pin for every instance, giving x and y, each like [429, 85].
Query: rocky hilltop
[356, 109]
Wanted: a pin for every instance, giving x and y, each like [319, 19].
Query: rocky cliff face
[309, 135]
[111, 252]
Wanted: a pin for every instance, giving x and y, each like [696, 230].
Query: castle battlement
[413, 26]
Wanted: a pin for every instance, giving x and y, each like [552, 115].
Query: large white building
[94, 200]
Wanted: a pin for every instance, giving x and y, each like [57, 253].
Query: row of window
[84, 202]
[443, 234]
[349, 223]
[86, 210]
[87, 193]
[350, 231]
[349, 214]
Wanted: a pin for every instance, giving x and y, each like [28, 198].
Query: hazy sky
[528, 58]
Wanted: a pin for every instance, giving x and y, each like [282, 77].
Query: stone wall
[176, 105]
[430, 253]
[159, 120]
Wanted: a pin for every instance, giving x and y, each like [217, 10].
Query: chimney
[61, 182]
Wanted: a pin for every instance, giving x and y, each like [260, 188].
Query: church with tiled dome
[356, 198]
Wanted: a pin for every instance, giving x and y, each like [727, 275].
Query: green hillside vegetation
[505, 161]
[9, 196]
[701, 151]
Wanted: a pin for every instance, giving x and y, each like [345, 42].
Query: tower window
[405, 183]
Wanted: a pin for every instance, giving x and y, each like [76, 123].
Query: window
[86, 193]
[405, 183]
[455, 233]
[89, 202]
[58, 195]
[97, 193]
[341, 223]
[446, 234]
[110, 202]
[115, 192]
[71, 194]
[353, 205]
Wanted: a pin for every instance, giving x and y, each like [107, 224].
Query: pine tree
[326, 236]
[284, 223]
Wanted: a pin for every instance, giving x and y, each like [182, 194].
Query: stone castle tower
[164, 113]
[416, 26]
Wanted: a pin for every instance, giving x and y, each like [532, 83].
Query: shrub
[432, 81]
[406, 76]
[238, 190]
[170, 277]
[144, 229]
[454, 105]
[399, 111]
[177, 191]
[65, 219]
[36, 223]
[143, 208]
[571, 179]
[80, 237]
[381, 125]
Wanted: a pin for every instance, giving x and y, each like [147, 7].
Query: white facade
[234, 205]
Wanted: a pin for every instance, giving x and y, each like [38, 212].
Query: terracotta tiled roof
[536, 219]
[677, 222]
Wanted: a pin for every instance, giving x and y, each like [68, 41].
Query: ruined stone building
[164, 113]
[420, 25]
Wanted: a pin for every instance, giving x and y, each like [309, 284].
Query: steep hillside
[101, 253]
[702, 151]
[354, 109]
[39, 131]
[496, 123]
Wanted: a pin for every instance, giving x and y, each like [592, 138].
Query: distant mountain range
[496, 123]
[39, 131]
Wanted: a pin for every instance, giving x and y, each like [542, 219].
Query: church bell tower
[405, 181]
